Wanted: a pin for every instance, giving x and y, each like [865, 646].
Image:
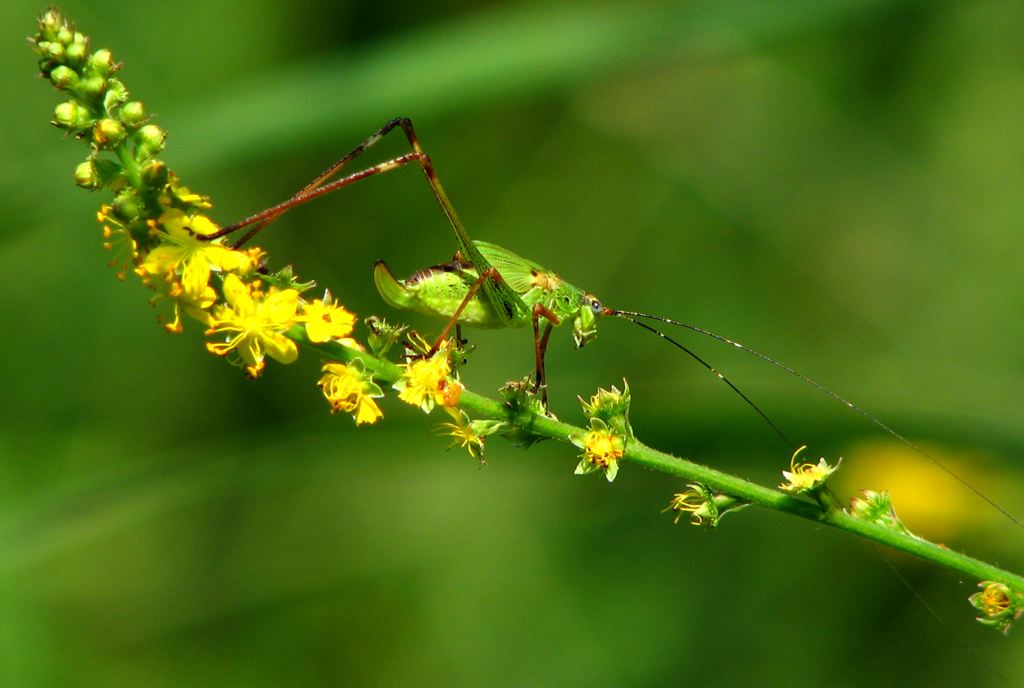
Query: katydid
[486, 285]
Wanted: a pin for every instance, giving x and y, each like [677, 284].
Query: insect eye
[596, 306]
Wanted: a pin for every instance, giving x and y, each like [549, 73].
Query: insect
[486, 285]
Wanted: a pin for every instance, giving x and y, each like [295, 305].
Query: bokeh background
[836, 183]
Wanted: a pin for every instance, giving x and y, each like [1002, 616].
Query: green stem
[637, 452]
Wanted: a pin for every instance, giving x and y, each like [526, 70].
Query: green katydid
[488, 286]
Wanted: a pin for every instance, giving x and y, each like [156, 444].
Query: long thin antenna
[630, 315]
[723, 378]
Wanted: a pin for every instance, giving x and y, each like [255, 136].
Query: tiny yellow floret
[602, 450]
[326, 321]
[804, 477]
[462, 431]
[425, 382]
[350, 390]
[697, 501]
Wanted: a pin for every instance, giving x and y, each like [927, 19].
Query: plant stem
[637, 452]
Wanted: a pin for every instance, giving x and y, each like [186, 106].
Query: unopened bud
[154, 174]
[126, 207]
[63, 77]
[86, 175]
[65, 35]
[53, 50]
[76, 53]
[132, 113]
[107, 131]
[50, 23]
[93, 86]
[102, 62]
[69, 115]
[150, 141]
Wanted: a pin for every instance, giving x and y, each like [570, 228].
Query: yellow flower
[182, 303]
[182, 256]
[602, 450]
[349, 389]
[254, 323]
[326, 321]
[999, 605]
[804, 477]
[463, 432]
[698, 501]
[425, 382]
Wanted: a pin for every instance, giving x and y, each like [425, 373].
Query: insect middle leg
[540, 347]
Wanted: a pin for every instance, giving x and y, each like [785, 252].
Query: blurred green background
[835, 183]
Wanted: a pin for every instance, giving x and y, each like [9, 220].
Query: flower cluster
[160, 231]
[609, 434]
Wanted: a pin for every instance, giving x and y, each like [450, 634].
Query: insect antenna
[631, 315]
[789, 443]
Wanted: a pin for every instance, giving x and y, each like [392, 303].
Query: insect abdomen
[437, 291]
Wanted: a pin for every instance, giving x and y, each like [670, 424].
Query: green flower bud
[80, 38]
[107, 131]
[50, 23]
[76, 54]
[53, 50]
[150, 141]
[70, 115]
[133, 113]
[63, 77]
[155, 174]
[93, 86]
[65, 35]
[126, 206]
[86, 175]
[102, 62]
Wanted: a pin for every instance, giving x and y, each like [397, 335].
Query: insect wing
[518, 272]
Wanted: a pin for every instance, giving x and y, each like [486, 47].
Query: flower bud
[154, 174]
[93, 86]
[63, 77]
[132, 113]
[53, 50]
[107, 131]
[76, 53]
[102, 62]
[50, 23]
[70, 115]
[150, 141]
[126, 207]
[86, 175]
[65, 35]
